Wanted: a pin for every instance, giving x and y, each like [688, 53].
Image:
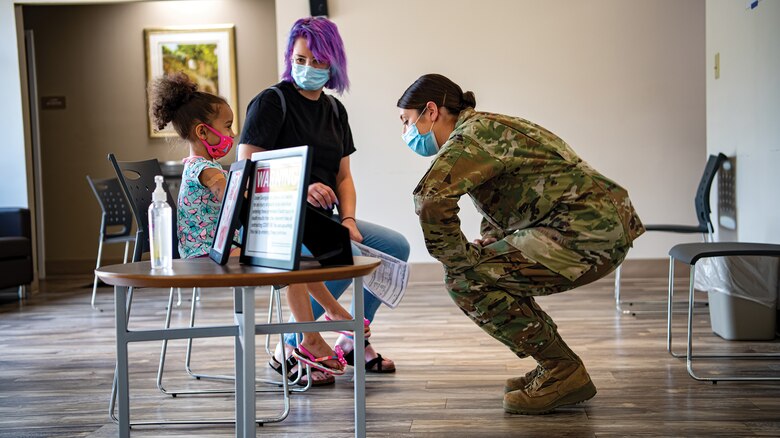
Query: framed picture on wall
[207, 54]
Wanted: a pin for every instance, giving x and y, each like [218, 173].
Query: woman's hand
[354, 233]
[321, 196]
[485, 242]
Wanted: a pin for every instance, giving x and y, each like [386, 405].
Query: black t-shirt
[307, 123]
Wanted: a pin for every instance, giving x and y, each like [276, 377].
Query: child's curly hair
[175, 98]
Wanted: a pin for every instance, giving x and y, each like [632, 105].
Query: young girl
[205, 122]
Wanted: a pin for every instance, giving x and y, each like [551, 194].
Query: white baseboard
[434, 272]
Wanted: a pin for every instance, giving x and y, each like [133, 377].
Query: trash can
[743, 295]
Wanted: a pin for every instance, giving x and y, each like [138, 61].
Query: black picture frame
[276, 208]
[230, 216]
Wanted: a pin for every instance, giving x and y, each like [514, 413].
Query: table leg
[247, 334]
[360, 369]
[239, 366]
[123, 384]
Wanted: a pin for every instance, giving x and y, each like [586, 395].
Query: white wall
[743, 108]
[622, 82]
[13, 167]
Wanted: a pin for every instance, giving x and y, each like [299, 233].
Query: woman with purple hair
[297, 112]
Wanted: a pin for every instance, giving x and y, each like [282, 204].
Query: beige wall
[94, 56]
[621, 81]
[743, 109]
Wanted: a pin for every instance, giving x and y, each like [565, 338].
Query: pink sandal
[304, 356]
[351, 335]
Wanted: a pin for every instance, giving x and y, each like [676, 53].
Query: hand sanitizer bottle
[160, 228]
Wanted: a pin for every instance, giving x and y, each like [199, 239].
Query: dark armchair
[16, 263]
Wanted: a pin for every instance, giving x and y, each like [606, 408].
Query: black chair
[16, 263]
[137, 181]
[115, 213]
[704, 227]
[690, 253]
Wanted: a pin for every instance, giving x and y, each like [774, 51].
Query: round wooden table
[243, 279]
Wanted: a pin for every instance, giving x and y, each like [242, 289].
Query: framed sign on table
[278, 187]
[230, 216]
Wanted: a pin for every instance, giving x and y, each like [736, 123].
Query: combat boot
[562, 381]
[515, 383]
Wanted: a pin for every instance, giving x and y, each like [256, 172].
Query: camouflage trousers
[497, 294]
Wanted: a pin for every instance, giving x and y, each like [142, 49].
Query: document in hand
[388, 282]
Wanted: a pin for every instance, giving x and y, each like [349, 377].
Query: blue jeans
[376, 237]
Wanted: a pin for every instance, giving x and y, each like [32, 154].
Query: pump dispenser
[160, 228]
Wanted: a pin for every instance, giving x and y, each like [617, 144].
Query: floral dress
[198, 209]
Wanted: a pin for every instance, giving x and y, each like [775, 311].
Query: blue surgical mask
[310, 78]
[422, 144]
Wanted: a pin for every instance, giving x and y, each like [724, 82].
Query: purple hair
[323, 39]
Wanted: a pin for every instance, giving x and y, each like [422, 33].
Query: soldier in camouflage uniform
[550, 223]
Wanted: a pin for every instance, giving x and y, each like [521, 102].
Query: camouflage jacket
[533, 192]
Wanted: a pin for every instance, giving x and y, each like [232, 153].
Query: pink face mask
[220, 149]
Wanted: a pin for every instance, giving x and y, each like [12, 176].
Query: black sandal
[293, 375]
[372, 366]
[291, 363]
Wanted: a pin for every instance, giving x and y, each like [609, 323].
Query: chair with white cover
[704, 227]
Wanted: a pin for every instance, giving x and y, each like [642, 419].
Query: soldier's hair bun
[439, 89]
[468, 100]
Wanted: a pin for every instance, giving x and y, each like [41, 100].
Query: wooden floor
[57, 360]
